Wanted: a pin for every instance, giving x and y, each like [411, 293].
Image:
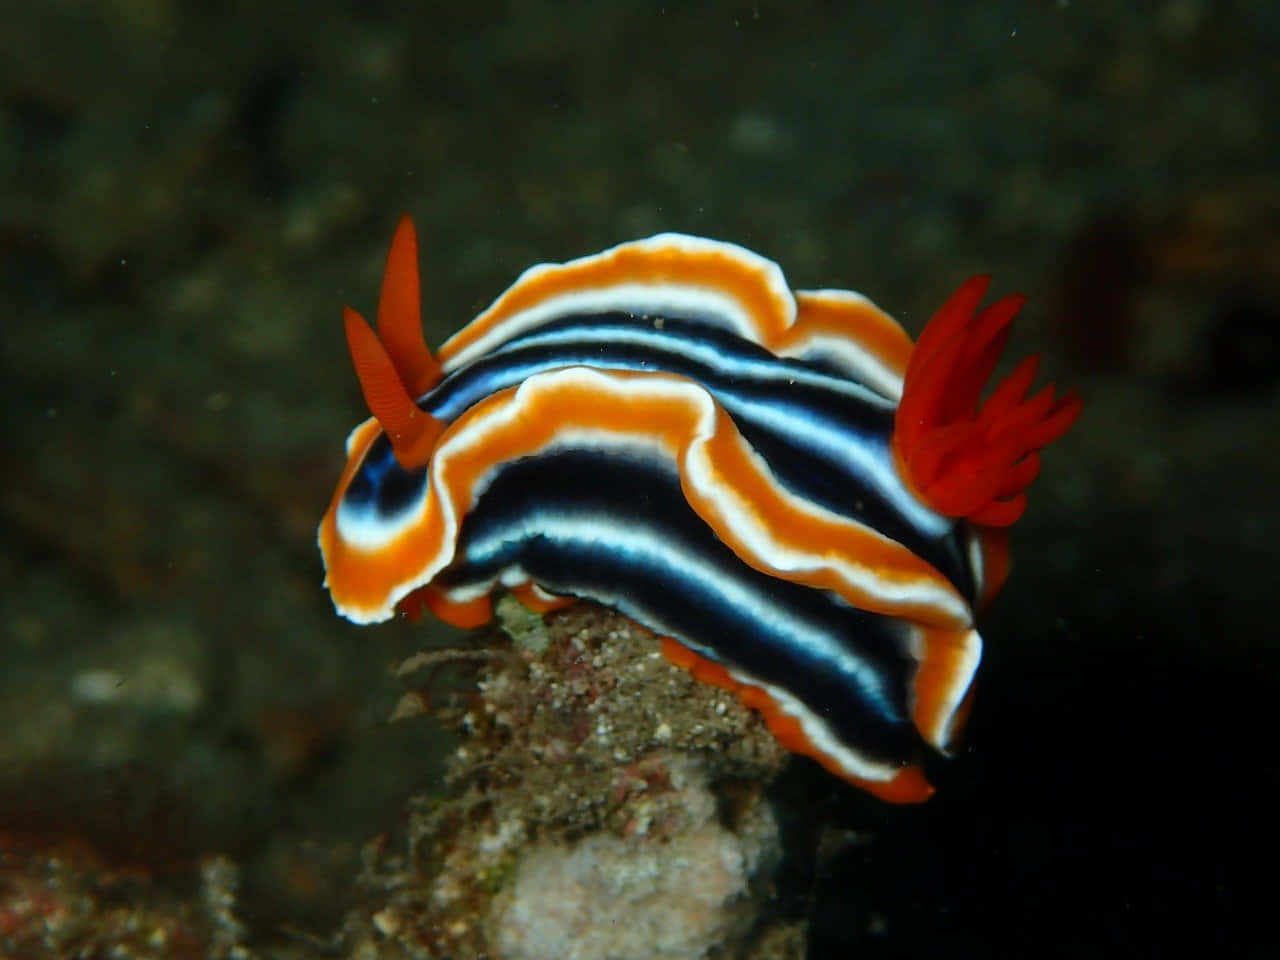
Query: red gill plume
[397, 367]
[964, 456]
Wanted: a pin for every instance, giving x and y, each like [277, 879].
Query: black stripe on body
[617, 529]
[382, 485]
[781, 406]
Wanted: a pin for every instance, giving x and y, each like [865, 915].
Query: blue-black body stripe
[616, 528]
[818, 432]
[382, 484]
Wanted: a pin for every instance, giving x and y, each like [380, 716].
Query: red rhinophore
[396, 367]
[400, 313]
[962, 457]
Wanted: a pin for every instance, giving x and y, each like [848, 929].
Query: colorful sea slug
[807, 507]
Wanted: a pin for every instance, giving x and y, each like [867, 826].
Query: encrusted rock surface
[601, 805]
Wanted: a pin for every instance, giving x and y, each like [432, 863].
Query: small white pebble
[386, 923]
[97, 686]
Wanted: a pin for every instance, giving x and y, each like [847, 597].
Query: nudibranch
[807, 507]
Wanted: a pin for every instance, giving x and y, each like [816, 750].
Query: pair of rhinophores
[806, 506]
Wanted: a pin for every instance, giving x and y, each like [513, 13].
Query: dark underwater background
[190, 193]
